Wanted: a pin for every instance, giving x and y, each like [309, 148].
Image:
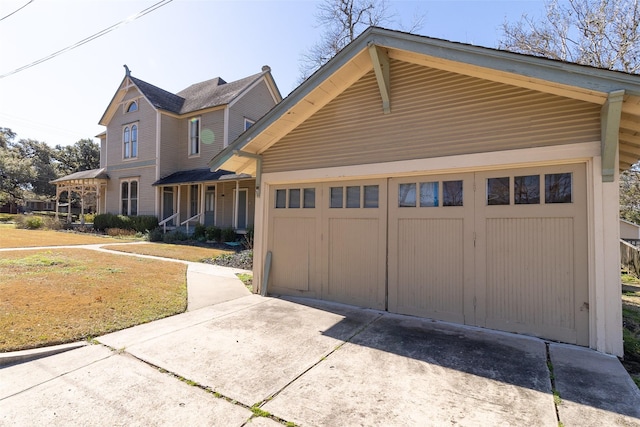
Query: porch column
[177, 202]
[202, 202]
[236, 205]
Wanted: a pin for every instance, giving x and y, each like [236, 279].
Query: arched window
[126, 141]
[132, 107]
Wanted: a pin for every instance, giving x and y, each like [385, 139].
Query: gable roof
[570, 80]
[210, 93]
[88, 174]
[159, 98]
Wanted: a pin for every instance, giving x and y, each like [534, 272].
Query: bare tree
[342, 21]
[600, 33]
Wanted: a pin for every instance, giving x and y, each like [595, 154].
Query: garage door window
[498, 191]
[428, 194]
[558, 188]
[452, 193]
[352, 196]
[527, 190]
[291, 198]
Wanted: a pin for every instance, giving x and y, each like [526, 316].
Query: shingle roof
[90, 174]
[160, 98]
[193, 175]
[210, 93]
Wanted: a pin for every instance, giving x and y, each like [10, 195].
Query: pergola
[84, 183]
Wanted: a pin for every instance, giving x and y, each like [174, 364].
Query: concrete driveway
[265, 362]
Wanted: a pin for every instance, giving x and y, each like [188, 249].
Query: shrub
[6, 217]
[33, 222]
[52, 223]
[143, 223]
[175, 236]
[89, 218]
[155, 235]
[199, 232]
[140, 223]
[228, 235]
[214, 233]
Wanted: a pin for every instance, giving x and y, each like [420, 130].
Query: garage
[501, 249]
[447, 181]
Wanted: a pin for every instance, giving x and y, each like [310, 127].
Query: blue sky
[184, 42]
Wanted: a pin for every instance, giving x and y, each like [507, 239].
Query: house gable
[378, 46]
[435, 113]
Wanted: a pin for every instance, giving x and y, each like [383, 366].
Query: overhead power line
[90, 38]
[17, 10]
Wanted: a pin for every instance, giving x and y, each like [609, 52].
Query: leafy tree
[343, 21]
[16, 175]
[42, 165]
[600, 33]
[83, 155]
[6, 136]
[630, 195]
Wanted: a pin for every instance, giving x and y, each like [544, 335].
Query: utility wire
[17, 10]
[91, 38]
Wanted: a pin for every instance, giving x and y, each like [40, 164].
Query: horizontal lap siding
[212, 121]
[253, 105]
[433, 113]
[170, 148]
[146, 193]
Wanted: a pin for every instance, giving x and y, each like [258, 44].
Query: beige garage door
[501, 249]
[329, 241]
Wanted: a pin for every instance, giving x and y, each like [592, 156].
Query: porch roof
[93, 174]
[193, 175]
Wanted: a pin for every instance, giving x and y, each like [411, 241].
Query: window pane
[452, 193]
[125, 207]
[132, 107]
[527, 190]
[371, 196]
[134, 189]
[407, 195]
[498, 191]
[309, 197]
[557, 188]
[134, 207]
[428, 194]
[353, 197]
[281, 199]
[294, 198]
[134, 141]
[125, 190]
[336, 197]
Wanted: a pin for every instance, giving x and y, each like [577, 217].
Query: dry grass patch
[64, 295]
[11, 237]
[183, 252]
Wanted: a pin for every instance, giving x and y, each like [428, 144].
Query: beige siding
[433, 113]
[146, 193]
[145, 118]
[225, 202]
[209, 122]
[253, 105]
[170, 153]
[103, 151]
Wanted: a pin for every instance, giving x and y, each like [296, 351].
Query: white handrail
[163, 223]
[186, 221]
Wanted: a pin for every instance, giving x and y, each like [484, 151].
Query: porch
[221, 199]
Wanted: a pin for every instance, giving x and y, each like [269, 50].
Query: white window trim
[128, 104]
[246, 208]
[129, 181]
[248, 121]
[189, 148]
[130, 127]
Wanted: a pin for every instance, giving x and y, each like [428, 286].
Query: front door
[241, 214]
[209, 205]
[167, 204]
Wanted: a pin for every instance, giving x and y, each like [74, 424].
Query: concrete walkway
[255, 361]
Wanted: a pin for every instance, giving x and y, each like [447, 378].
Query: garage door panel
[531, 259]
[430, 246]
[529, 264]
[355, 243]
[434, 288]
[294, 243]
[354, 261]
